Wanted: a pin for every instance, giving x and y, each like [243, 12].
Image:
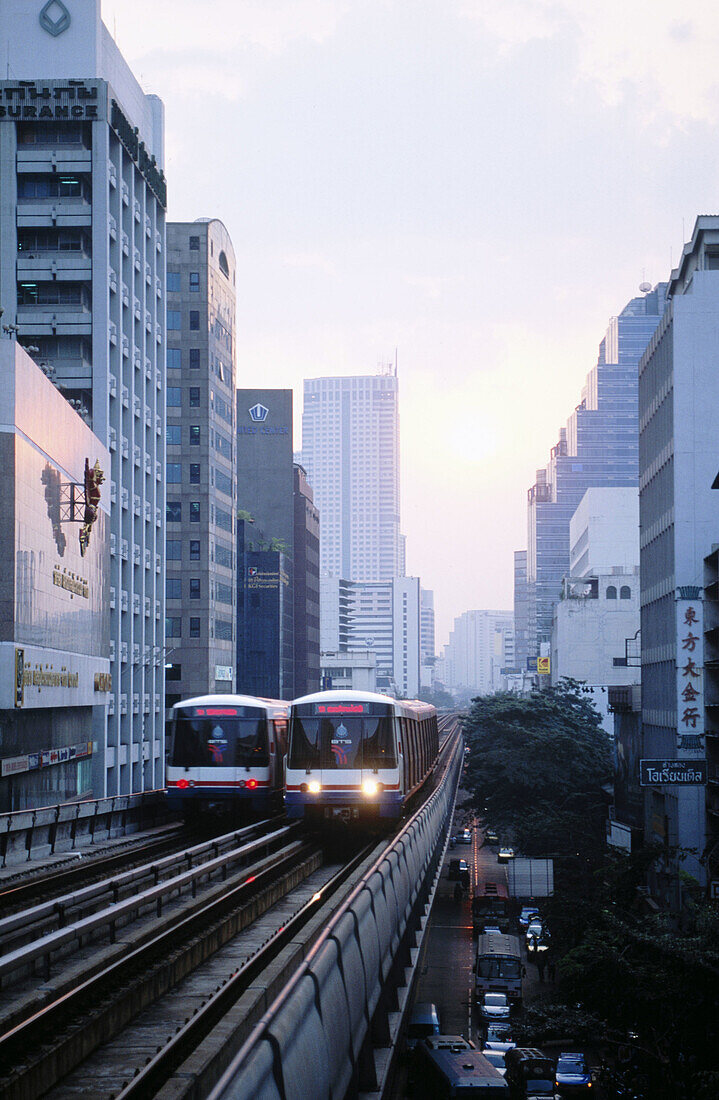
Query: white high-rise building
[481, 643]
[350, 450]
[82, 276]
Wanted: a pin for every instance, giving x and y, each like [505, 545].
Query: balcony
[44, 266]
[54, 158]
[65, 213]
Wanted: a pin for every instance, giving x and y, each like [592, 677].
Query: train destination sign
[682, 773]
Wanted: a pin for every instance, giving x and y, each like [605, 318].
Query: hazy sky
[478, 183]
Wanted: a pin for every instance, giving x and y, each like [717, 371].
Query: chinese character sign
[690, 676]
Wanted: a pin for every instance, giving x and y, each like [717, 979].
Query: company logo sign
[54, 18]
[259, 413]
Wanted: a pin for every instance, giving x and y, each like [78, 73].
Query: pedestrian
[541, 963]
[457, 891]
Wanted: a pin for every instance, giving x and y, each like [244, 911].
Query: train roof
[234, 700]
[409, 706]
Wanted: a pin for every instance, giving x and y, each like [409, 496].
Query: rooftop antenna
[395, 361]
[644, 286]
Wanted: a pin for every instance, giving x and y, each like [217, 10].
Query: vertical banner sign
[690, 676]
[19, 677]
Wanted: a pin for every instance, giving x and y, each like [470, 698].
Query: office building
[201, 577]
[598, 447]
[382, 617]
[481, 644]
[350, 450]
[521, 612]
[82, 277]
[428, 655]
[679, 520]
[307, 586]
[55, 623]
[596, 620]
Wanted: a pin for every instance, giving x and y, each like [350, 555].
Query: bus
[499, 967]
[449, 1066]
[491, 904]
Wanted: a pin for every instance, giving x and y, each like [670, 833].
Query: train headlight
[314, 786]
[370, 787]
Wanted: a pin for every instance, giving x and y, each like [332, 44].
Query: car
[494, 1007]
[465, 837]
[496, 1059]
[457, 868]
[491, 930]
[572, 1077]
[423, 1021]
[528, 912]
[490, 836]
[499, 1037]
[535, 928]
[505, 854]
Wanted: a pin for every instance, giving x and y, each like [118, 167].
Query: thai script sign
[30, 762]
[682, 772]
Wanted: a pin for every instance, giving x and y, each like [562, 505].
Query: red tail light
[252, 783]
[182, 784]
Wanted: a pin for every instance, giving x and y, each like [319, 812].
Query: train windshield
[335, 738]
[220, 737]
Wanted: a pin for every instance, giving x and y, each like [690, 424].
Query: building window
[194, 320]
[174, 358]
[173, 550]
[224, 266]
[195, 512]
[174, 396]
[174, 282]
[173, 588]
[173, 626]
[173, 672]
[174, 511]
[194, 397]
[174, 435]
[194, 358]
[194, 627]
[194, 473]
[625, 592]
[194, 435]
[194, 588]
[223, 630]
[174, 320]
[611, 592]
[195, 282]
[194, 244]
[194, 549]
[173, 473]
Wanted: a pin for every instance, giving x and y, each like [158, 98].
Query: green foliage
[538, 764]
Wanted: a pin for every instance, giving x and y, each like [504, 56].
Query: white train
[357, 756]
[226, 753]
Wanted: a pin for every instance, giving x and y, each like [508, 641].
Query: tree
[537, 768]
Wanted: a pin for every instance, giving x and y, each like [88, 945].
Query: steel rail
[111, 995]
[109, 917]
[57, 907]
[156, 1072]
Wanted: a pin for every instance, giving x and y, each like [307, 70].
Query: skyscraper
[350, 449]
[82, 276]
[597, 448]
[201, 460]
[679, 521]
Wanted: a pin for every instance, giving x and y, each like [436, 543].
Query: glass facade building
[598, 447]
[82, 276]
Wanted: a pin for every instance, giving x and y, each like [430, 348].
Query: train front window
[222, 741]
[342, 741]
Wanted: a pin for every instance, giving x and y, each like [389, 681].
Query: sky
[476, 185]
